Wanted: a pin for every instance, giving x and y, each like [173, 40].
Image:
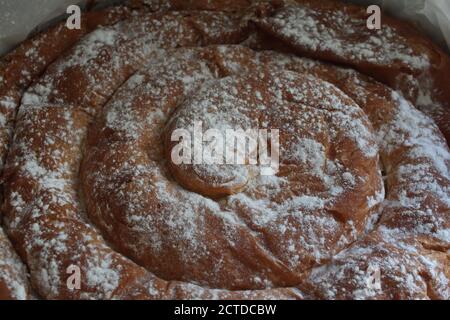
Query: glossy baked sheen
[363, 184]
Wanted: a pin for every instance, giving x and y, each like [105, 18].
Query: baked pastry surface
[363, 183]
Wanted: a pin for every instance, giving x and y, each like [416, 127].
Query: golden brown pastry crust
[18, 69]
[88, 161]
[397, 54]
[27, 62]
[130, 195]
[14, 283]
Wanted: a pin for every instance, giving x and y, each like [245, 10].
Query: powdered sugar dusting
[324, 222]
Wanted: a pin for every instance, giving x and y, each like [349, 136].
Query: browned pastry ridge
[397, 54]
[18, 70]
[363, 183]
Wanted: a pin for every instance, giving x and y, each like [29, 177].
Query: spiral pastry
[362, 186]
